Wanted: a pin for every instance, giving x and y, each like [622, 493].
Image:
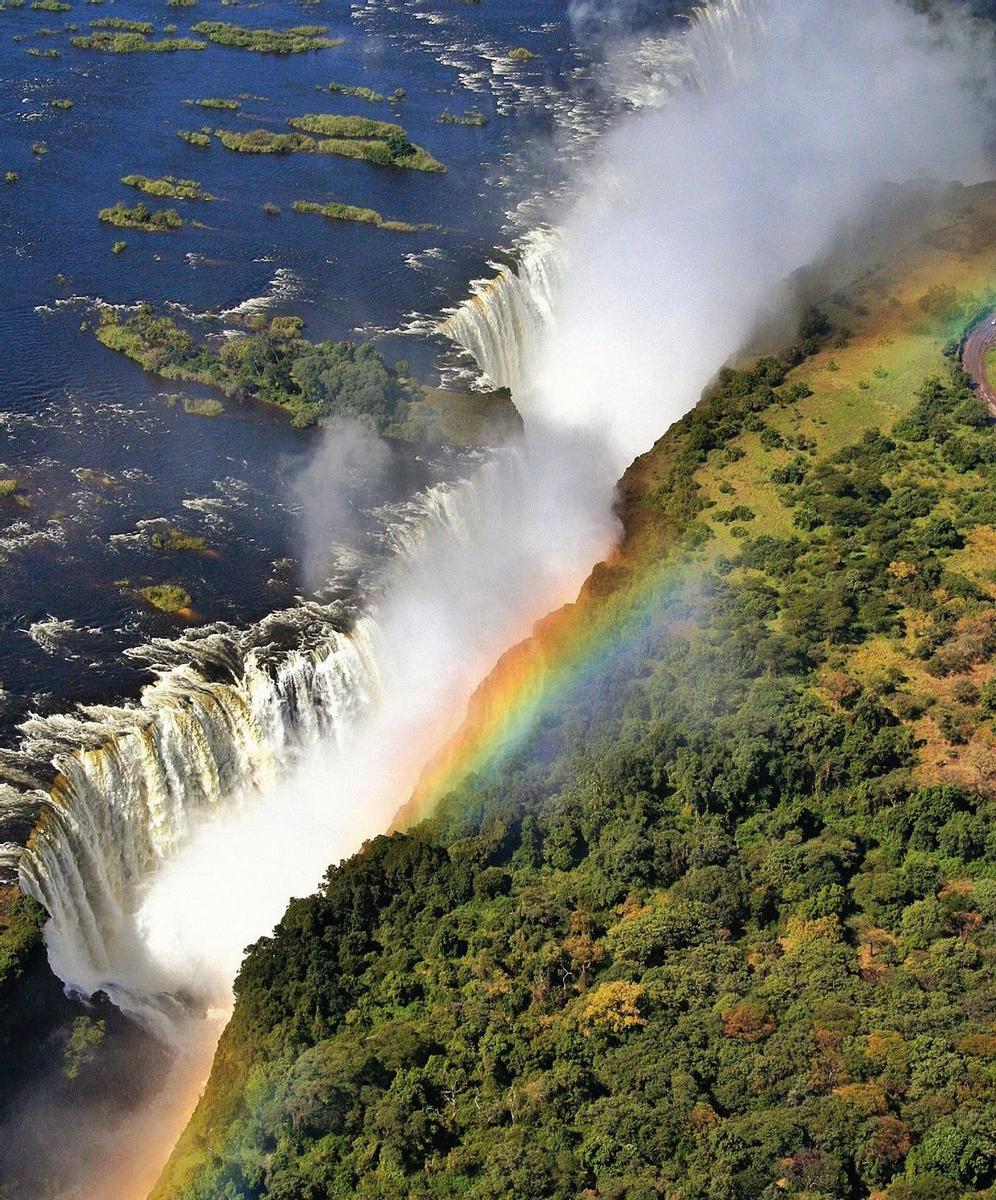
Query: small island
[201, 406]
[474, 119]
[343, 89]
[312, 382]
[175, 539]
[262, 141]
[167, 597]
[380, 143]
[169, 185]
[194, 138]
[364, 216]
[215, 102]
[296, 40]
[122, 25]
[133, 43]
[141, 217]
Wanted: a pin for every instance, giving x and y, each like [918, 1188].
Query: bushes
[133, 43]
[297, 40]
[313, 382]
[141, 217]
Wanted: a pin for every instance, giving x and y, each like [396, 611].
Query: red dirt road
[979, 342]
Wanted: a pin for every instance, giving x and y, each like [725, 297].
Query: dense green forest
[720, 926]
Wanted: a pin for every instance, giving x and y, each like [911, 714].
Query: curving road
[981, 340]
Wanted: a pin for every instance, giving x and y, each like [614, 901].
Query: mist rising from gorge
[794, 115]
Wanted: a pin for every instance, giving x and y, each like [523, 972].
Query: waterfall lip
[503, 316]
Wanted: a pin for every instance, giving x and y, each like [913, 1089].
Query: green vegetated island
[475, 120]
[363, 216]
[141, 217]
[381, 143]
[356, 90]
[216, 102]
[296, 40]
[116, 35]
[313, 382]
[168, 185]
[720, 921]
[169, 598]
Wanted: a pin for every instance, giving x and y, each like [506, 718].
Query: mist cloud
[795, 114]
[347, 468]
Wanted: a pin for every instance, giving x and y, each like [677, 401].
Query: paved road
[980, 340]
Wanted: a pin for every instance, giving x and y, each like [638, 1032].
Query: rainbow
[571, 646]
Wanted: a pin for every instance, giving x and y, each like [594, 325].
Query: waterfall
[503, 319]
[504, 316]
[119, 811]
[229, 715]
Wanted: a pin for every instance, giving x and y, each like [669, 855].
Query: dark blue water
[94, 442]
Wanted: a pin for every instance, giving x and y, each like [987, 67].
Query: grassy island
[51, 6]
[63, 104]
[121, 25]
[331, 125]
[380, 143]
[520, 54]
[133, 43]
[262, 141]
[194, 138]
[175, 189]
[202, 406]
[141, 217]
[474, 119]
[166, 597]
[296, 40]
[176, 539]
[216, 102]
[350, 212]
[313, 382]
[343, 89]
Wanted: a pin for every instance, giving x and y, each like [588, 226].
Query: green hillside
[720, 926]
